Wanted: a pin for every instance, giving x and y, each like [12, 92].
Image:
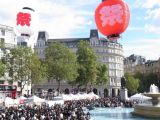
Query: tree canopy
[87, 60]
[132, 83]
[102, 76]
[25, 66]
[2, 68]
[61, 63]
[3, 60]
[38, 70]
[146, 79]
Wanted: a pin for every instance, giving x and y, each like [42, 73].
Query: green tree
[102, 76]
[61, 63]
[132, 83]
[3, 59]
[140, 76]
[2, 68]
[22, 64]
[150, 78]
[87, 60]
[38, 70]
[146, 80]
[2, 45]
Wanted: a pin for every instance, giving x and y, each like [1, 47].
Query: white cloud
[82, 3]
[147, 3]
[57, 17]
[153, 16]
[62, 17]
[145, 47]
[150, 3]
[60, 20]
[132, 28]
[152, 28]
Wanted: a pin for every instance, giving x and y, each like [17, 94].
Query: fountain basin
[155, 101]
[151, 110]
[147, 110]
[152, 95]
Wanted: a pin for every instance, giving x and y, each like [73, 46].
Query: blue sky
[75, 18]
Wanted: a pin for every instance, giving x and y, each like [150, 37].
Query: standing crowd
[70, 110]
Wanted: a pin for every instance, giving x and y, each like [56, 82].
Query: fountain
[151, 109]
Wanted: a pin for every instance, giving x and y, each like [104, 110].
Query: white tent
[56, 100]
[86, 96]
[19, 100]
[9, 101]
[36, 99]
[66, 97]
[79, 96]
[139, 96]
[93, 96]
[22, 98]
[74, 96]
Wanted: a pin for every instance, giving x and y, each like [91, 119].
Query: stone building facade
[135, 63]
[109, 53]
[8, 40]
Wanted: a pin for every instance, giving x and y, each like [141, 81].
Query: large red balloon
[112, 17]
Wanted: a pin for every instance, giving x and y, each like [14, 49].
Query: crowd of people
[70, 110]
[57, 112]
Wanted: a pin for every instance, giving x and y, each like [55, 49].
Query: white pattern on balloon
[111, 14]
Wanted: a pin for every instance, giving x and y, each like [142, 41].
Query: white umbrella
[139, 96]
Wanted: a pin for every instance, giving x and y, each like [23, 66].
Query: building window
[3, 32]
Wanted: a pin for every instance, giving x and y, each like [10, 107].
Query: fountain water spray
[154, 89]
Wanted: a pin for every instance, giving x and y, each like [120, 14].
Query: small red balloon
[112, 17]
